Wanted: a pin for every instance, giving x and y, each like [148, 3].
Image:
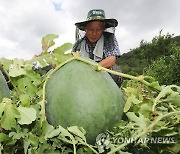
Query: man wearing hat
[98, 44]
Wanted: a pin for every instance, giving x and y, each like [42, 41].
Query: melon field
[59, 102]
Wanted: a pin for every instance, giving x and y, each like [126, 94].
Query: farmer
[98, 44]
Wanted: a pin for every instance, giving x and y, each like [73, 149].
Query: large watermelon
[4, 90]
[78, 95]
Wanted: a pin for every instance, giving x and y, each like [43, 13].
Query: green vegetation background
[159, 58]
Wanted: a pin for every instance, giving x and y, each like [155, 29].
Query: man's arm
[108, 62]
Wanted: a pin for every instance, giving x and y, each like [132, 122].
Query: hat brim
[108, 23]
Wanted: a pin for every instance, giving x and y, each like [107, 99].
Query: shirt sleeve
[111, 47]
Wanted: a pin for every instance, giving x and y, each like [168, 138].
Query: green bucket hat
[97, 15]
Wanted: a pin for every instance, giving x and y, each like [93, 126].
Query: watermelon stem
[89, 146]
[158, 98]
[74, 147]
[100, 68]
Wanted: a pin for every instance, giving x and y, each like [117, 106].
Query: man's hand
[108, 62]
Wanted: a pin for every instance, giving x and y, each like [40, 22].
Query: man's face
[94, 31]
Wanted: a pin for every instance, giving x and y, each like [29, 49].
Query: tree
[158, 47]
[166, 69]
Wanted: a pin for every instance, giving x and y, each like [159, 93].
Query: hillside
[133, 62]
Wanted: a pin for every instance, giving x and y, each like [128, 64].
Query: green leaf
[26, 144]
[4, 137]
[6, 63]
[59, 53]
[34, 140]
[131, 99]
[130, 90]
[63, 48]
[2, 106]
[52, 133]
[33, 77]
[84, 150]
[174, 98]
[164, 131]
[26, 86]
[149, 79]
[145, 109]
[16, 69]
[77, 132]
[128, 104]
[8, 119]
[25, 100]
[27, 115]
[48, 41]
[62, 57]
[43, 60]
[169, 93]
[17, 135]
[140, 121]
[62, 134]
[46, 129]
[155, 85]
